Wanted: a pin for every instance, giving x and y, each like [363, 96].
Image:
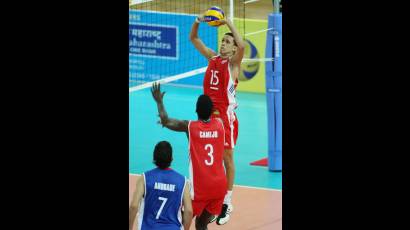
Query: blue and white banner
[159, 46]
[153, 41]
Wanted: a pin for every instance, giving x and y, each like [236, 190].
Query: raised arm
[197, 42]
[170, 123]
[237, 57]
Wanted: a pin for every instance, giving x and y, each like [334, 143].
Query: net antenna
[276, 4]
[231, 11]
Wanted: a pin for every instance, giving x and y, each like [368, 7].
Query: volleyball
[213, 14]
[249, 66]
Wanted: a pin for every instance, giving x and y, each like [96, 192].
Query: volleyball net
[159, 46]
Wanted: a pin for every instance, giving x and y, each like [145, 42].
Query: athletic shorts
[230, 122]
[212, 206]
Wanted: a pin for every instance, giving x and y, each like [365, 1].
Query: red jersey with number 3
[219, 86]
[206, 149]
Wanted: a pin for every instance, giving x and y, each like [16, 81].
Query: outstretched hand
[201, 18]
[222, 22]
[156, 92]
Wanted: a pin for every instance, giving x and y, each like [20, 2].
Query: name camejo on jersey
[208, 134]
[164, 187]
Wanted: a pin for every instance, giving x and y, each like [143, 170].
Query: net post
[276, 6]
[231, 7]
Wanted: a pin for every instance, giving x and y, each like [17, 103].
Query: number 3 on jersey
[214, 78]
[211, 151]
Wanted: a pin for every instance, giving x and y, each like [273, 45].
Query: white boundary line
[180, 85]
[163, 12]
[190, 73]
[136, 2]
[257, 32]
[250, 1]
[242, 186]
[177, 13]
[168, 79]
[260, 188]
[253, 20]
[256, 60]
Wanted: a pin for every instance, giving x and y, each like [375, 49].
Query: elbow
[188, 210]
[133, 209]
[240, 43]
[134, 206]
[164, 120]
[241, 46]
[193, 37]
[189, 213]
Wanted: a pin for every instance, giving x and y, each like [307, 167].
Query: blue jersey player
[160, 195]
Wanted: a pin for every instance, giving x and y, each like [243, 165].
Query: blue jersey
[162, 202]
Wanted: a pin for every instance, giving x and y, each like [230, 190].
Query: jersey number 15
[214, 78]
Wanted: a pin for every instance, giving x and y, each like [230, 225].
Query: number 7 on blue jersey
[164, 200]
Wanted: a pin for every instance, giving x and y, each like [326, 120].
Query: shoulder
[192, 123]
[149, 172]
[218, 120]
[140, 183]
[178, 174]
[214, 58]
[220, 124]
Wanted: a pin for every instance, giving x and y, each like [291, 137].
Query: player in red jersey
[206, 150]
[220, 81]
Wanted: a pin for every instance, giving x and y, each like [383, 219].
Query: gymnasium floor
[180, 103]
[257, 193]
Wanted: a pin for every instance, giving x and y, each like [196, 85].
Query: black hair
[163, 154]
[204, 107]
[231, 34]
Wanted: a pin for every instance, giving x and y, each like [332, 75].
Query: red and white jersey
[219, 86]
[206, 149]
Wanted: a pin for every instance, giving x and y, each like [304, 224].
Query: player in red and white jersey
[206, 150]
[220, 81]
